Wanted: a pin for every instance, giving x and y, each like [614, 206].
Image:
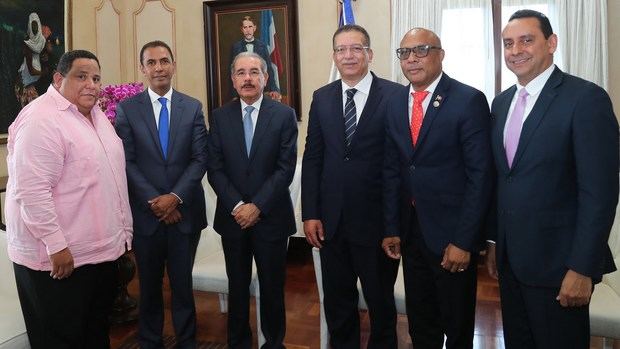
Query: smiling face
[526, 51]
[248, 78]
[352, 63]
[421, 72]
[158, 68]
[81, 85]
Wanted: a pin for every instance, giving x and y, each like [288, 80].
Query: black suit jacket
[149, 174]
[262, 178]
[335, 176]
[556, 205]
[449, 172]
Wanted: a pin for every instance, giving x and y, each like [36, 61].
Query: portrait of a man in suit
[250, 43]
[165, 139]
[437, 186]
[555, 143]
[252, 154]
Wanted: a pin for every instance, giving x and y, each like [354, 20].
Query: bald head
[422, 58]
[423, 34]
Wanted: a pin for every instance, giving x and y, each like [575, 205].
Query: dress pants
[438, 302]
[270, 258]
[175, 252]
[71, 313]
[534, 319]
[342, 263]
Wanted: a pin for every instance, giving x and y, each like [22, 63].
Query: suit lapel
[149, 118]
[440, 94]
[264, 118]
[502, 114]
[547, 95]
[235, 124]
[175, 119]
[401, 120]
[372, 103]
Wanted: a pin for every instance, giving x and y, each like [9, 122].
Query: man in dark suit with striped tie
[341, 194]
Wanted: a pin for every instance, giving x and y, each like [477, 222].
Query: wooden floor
[302, 315]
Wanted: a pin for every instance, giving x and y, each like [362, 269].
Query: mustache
[248, 85]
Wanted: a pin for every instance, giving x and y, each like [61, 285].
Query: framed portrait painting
[33, 36]
[266, 27]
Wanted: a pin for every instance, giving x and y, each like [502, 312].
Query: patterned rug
[170, 342]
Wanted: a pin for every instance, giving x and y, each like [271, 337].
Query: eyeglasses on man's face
[419, 51]
[355, 49]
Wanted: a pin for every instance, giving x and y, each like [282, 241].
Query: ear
[57, 79]
[552, 42]
[370, 53]
[442, 54]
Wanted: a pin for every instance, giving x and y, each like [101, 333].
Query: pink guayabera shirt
[67, 185]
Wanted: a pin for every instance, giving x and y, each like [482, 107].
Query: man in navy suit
[438, 171]
[341, 194]
[165, 139]
[251, 162]
[249, 43]
[555, 144]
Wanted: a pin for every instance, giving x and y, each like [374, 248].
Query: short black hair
[66, 60]
[353, 28]
[156, 43]
[545, 25]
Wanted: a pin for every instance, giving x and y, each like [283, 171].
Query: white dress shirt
[157, 105]
[360, 97]
[431, 89]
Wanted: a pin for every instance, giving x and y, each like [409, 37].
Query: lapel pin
[437, 101]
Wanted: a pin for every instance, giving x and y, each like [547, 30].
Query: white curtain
[466, 32]
[467, 36]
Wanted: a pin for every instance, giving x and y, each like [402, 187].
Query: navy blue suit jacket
[556, 205]
[448, 174]
[262, 178]
[150, 175]
[335, 176]
[260, 48]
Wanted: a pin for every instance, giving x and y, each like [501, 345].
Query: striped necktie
[350, 116]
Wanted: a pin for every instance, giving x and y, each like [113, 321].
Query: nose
[515, 49]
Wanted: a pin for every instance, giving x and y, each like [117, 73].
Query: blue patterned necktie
[349, 117]
[163, 126]
[248, 128]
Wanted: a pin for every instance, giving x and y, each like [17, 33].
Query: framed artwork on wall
[33, 36]
[266, 27]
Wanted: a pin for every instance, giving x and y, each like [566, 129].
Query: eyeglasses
[355, 49]
[419, 51]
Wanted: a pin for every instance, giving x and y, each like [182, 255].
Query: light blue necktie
[248, 128]
[163, 126]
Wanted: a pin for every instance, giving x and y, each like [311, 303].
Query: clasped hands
[576, 288]
[165, 208]
[246, 215]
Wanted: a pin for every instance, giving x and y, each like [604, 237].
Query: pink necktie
[513, 129]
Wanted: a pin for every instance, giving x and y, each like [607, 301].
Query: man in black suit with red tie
[438, 171]
[341, 194]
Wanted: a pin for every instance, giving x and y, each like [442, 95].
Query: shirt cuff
[55, 242]
[178, 197]
[491, 242]
[237, 205]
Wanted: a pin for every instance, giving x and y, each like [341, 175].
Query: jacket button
[346, 158]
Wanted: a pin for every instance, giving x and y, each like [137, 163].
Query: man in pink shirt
[67, 209]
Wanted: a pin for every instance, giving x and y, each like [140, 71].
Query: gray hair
[263, 64]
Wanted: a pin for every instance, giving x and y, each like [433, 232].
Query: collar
[155, 97]
[536, 85]
[362, 86]
[256, 104]
[431, 88]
